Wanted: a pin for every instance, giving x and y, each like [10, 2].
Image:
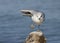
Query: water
[14, 27]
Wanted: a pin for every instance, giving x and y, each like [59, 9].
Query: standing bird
[36, 16]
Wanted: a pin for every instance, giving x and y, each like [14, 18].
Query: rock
[36, 37]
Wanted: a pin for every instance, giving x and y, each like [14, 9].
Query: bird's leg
[38, 26]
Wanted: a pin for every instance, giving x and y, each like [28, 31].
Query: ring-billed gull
[37, 16]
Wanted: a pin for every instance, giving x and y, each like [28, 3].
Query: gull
[37, 17]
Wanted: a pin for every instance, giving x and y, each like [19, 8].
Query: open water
[14, 28]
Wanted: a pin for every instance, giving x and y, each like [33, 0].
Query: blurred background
[14, 27]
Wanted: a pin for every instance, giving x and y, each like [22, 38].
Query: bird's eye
[27, 13]
[41, 15]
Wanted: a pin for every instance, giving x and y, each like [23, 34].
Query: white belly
[36, 20]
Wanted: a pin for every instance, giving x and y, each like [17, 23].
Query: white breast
[36, 20]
